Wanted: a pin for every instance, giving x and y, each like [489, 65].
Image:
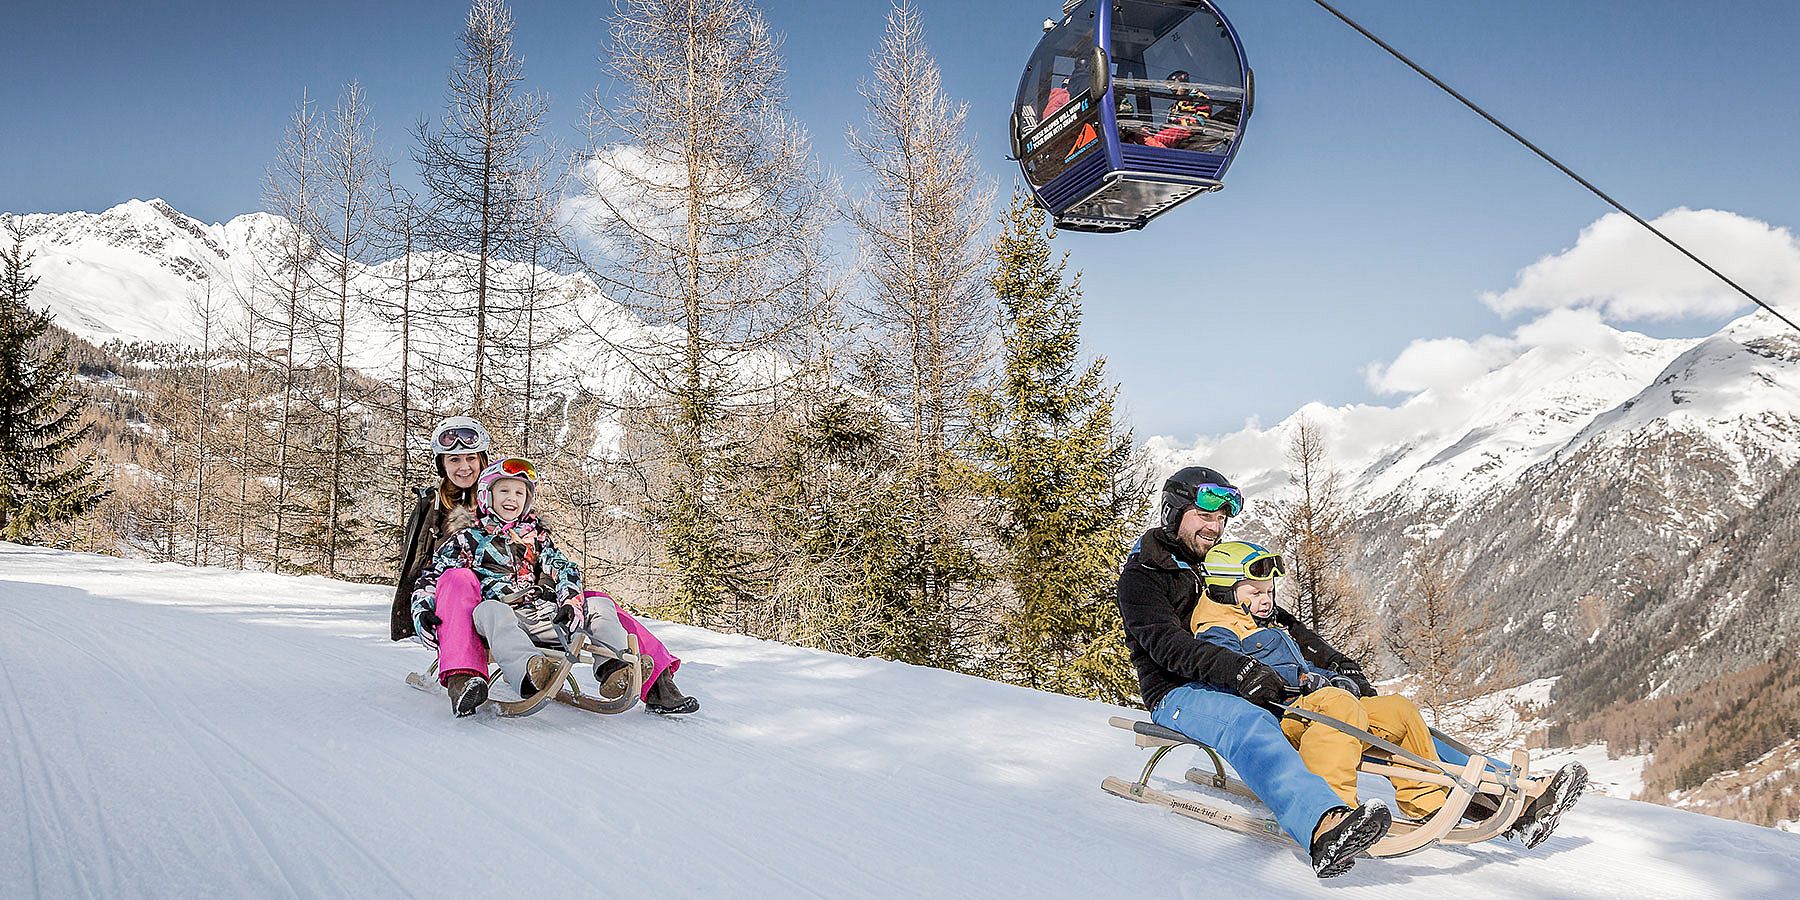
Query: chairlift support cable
[1551, 160]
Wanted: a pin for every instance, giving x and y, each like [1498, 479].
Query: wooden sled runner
[575, 652]
[1507, 790]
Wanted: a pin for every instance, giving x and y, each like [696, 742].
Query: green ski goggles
[1214, 497]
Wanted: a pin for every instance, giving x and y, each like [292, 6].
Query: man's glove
[429, 622]
[1348, 669]
[1259, 684]
[565, 613]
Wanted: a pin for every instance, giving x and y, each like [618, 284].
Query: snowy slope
[172, 732]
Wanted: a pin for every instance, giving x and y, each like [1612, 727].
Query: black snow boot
[1345, 833]
[665, 699]
[1534, 825]
[467, 693]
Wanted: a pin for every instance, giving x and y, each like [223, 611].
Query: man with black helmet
[1215, 695]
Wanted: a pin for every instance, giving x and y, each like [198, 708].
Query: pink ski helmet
[512, 467]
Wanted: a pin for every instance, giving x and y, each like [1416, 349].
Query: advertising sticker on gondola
[1070, 134]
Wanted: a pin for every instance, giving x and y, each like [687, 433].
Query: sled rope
[1551, 160]
[1379, 743]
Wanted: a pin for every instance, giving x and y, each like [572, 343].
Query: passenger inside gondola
[1188, 115]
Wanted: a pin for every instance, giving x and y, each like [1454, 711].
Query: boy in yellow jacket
[1240, 614]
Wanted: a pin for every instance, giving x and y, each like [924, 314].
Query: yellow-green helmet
[1234, 561]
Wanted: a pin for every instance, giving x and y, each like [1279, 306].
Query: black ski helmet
[1179, 491]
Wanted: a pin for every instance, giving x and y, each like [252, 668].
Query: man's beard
[1200, 543]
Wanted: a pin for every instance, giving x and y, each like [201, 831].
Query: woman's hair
[449, 496]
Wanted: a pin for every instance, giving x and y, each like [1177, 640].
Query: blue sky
[1366, 210]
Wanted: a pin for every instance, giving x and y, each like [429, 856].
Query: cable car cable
[1552, 160]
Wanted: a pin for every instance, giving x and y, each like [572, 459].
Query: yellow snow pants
[1333, 755]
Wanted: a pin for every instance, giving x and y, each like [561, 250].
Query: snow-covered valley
[177, 732]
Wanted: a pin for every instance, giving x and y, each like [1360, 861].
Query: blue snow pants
[1250, 740]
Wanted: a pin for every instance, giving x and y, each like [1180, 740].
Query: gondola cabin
[1129, 107]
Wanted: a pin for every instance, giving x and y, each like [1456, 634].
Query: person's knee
[1386, 703]
[1339, 704]
[489, 614]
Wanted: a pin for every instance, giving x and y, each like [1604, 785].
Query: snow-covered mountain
[178, 732]
[1441, 448]
[139, 272]
[128, 273]
[1583, 466]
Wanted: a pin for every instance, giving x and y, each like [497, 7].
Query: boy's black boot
[1539, 819]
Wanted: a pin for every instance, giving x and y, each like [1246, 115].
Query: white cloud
[1440, 363]
[1626, 274]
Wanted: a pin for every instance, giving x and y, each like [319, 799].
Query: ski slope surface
[177, 732]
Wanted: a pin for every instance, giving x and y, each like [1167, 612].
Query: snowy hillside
[172, 732]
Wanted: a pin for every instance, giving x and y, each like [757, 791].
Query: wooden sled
[1404, 837]
[577, 651]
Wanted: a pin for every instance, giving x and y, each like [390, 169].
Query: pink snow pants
[460, 650]
[648, 645]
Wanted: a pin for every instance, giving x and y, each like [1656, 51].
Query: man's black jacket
[1158, 587]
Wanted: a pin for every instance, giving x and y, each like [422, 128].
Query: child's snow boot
[1345, 832]
[1534, 825]
[467, 693]
[543, 678]
[614, 677]
[665, 699]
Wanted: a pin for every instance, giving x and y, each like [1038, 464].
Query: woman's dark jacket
[1158, 587]
[425, 532]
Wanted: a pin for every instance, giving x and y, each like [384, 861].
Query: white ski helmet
[459, 434]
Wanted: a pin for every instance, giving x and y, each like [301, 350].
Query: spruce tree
[39, 424]
[1060, 475]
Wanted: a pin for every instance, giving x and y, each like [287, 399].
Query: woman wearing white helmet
[460, 446]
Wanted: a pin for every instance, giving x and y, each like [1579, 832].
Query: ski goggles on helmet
[461, 437]
[1213, 497]
[1263, 568]
[521, 468]
[1232, 562]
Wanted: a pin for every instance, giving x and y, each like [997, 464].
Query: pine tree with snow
[1061, 474]
[39, 423]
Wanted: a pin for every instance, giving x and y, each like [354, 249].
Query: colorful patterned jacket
[516, 564]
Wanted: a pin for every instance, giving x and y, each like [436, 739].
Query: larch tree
[1435, 630]
[399, 217]
[350, 174]
[483, 171]
[703, 204]
[1060, 474]
[924, 255]
[289, 188]
[40, 420]
[1313, 532]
